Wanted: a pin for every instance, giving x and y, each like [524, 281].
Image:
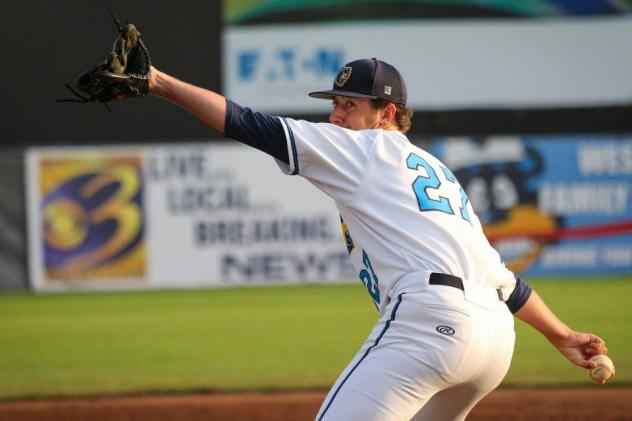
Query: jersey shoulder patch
[347, 236]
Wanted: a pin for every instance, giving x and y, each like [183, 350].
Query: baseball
[604, 369]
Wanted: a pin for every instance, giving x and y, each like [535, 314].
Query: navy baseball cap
[367, 78]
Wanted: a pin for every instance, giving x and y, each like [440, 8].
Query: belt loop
[500, 294]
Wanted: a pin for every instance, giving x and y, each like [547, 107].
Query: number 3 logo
[431, 181]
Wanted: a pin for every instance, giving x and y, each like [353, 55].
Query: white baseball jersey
[444, 339]
[406, 213]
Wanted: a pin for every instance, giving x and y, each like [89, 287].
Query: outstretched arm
[206, 105]
[258, 130]
[578, 347]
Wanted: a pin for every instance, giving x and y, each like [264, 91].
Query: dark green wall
[46, 43]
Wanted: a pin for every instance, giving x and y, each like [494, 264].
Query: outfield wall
[218, 214]
[13, 254]
[500, 68]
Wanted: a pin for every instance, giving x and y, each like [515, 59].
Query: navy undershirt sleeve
[519, 296]
[261, 131]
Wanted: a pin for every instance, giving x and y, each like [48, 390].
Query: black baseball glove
[123, 74]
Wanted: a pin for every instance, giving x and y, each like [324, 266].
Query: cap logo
[387, 90]
[343, 76]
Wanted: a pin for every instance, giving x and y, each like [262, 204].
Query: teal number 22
[423, 183]
[370, 280]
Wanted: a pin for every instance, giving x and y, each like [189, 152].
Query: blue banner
[551, 205]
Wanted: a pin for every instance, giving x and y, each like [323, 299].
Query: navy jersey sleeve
[519, 296]
[261, 131]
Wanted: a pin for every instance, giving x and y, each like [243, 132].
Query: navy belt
[447, 280]
[452, 281]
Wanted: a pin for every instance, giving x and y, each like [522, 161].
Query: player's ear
[388, 113]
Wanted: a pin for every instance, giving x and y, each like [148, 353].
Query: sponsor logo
[387, 90]
[92, 218]
[445, 330]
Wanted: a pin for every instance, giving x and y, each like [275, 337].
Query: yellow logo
[343, 76]
[347, 236]
[92, 217]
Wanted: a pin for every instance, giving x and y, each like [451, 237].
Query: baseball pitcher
[445, 335]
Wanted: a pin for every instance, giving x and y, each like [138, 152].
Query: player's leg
[456, 402]
[404, 362]
[452, 404]
[369, 392]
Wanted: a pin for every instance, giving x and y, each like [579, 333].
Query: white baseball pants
[432, 356]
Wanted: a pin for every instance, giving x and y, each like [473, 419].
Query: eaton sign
[287, 64]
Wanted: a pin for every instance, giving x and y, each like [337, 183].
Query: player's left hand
[123, 74]
[578, 347]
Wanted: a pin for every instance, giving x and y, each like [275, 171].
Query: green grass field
[252, 338]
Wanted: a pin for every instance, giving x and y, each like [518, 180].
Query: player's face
[354, 113]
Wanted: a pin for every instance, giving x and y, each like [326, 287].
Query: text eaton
[288, 64]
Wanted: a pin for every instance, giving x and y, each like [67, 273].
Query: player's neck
[391, 127]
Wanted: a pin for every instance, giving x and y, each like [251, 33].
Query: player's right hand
[578, 347]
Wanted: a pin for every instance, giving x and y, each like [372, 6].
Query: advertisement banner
[225, 214]
[517, 56]
[551, 205]
[86, 218]
[175, 216]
